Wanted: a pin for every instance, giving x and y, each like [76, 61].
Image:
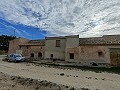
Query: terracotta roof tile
[108, 40]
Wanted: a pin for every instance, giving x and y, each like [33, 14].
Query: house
[100, 50]
[14, 45]
[55, 47]
[33, 48]
[28, 48]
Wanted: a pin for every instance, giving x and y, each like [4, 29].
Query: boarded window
[100, 54]
[39, 54]
[32, 55]
[57, 43]
[51, 55]
[71, 55]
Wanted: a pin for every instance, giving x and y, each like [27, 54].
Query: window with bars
[57, 43]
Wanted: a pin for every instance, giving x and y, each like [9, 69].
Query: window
[57, 43]
[71, 55]
[19, 47]
[41, 47]
[39, 54]
[100, 54]
[51, 55]
[32, 55]
[27, 47]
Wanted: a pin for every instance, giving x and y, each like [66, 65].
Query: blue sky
[7, 28]
[36, 19]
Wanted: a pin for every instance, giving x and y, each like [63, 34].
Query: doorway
[115, 57]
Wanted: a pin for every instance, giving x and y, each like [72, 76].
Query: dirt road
[2, 56]
[73, 78]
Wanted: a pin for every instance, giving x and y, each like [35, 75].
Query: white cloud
[65, 17]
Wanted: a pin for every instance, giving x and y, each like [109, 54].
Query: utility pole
[14, 37]
[14, 32]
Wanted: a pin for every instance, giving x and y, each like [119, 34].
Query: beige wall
[72, 41]
[50, 48]
[89, 54]
[33, 49]
[72, 50]
[60, 52]
[14, 44]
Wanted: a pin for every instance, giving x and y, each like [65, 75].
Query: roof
[63, 37]
[34, 43]
[105, 40]
[18, 39]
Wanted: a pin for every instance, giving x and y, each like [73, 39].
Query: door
[115, 57]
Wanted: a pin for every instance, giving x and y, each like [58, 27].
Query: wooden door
[115, 58]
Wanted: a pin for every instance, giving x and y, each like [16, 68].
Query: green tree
[4, 42]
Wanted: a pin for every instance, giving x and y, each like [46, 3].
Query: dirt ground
[8, 82]
[61, 79]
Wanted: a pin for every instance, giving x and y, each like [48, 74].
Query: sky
[36, 19]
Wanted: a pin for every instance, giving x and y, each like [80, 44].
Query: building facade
[100, 50]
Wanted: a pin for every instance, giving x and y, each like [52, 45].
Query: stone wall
[89, 54]
[14, 44]
[28, 50]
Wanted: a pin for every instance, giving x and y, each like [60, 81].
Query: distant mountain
[4, 42]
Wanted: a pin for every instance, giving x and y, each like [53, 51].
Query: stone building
[28, 48]
[14, 44]
[100, 50]
[33, 48]
[55, 47]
